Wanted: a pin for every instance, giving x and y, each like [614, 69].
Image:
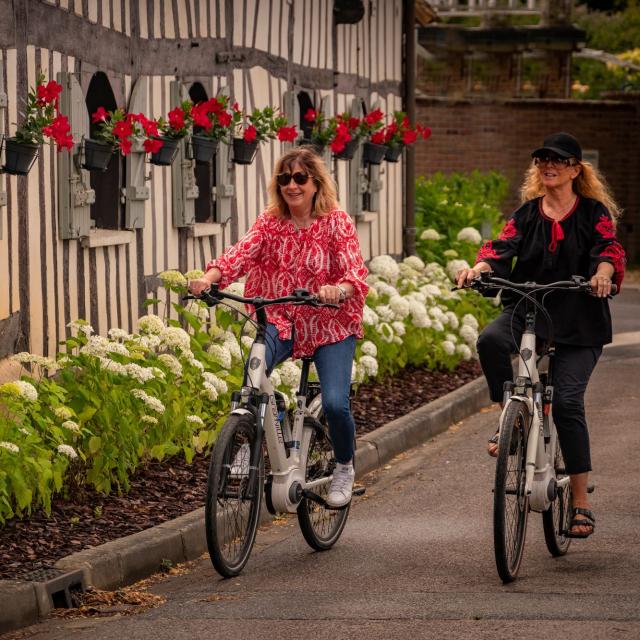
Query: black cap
[562, 144]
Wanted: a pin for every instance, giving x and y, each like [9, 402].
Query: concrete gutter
[137, 556]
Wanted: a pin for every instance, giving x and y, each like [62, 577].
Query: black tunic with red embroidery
[547, 251]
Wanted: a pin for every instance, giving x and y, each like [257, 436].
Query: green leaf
[95, 443]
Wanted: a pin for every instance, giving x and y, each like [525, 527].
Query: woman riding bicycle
[304, 240]
[565, 227]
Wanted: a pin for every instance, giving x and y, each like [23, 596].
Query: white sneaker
[341, 485]
[240, 466]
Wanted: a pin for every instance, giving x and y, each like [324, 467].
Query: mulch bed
[166, 490]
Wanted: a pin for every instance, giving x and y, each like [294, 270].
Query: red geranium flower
[100, 115]
[287, 134]
[250, 133]
[310, 116]
[48, 93]
[152, 146]
[176, 119]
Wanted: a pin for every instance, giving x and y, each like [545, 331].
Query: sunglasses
[298, 177]
[554, 161]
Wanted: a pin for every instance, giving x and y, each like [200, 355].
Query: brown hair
[325, 200]
[589, 183]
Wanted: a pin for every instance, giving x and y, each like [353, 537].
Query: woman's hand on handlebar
[330, 294]
[465, 277]
[600, 285]
[198, 285]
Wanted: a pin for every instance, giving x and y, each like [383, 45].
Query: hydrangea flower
[150, 324]
[448, 347]
[199, 310]
[471, 320]
[470, 235]
[369, 348]
[452, 319]
[172, 278]
[430, 290]
[275, 378]
[386, 331]
[468, 334]
[9, 446]
[231, 342]
[64, 413]
[141, 374]
[118, 334]
[175, 338]
[430, 234]
[247, 342]
[70, 425]
[385, 289]
[194, 274]
[372, 294]
[112, 366]
[81, 326]
[290, 374]
[68, 451]
[414, 262]
[195, 420]
[221, 355]
[451, 338]
[385, 266]
[172, 363]
[370, 365]
[152, 402]
[369, 316]
[400, 307]
[216, 382]
[149, 419]
[450, 253]
[385, 313]
[211, 391]
[27, 390]
[464, 351]
[421, 321]
[399, 327]
[408, 273]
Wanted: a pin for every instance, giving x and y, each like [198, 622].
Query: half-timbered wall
[259, 50]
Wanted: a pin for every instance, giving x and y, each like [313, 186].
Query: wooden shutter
[357, 182]
[291, 110]
[75, 197]
[3, 106]
[374, 182]
[135, 191]
[183, 178]
[325, 108]
[224, 190]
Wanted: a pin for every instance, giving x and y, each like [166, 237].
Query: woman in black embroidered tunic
[565, 227]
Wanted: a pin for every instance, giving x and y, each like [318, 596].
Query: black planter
[244, 152]
[203, 149]
[315, 146]
[167, 153]
[19, 157]
[393, 153]
[348, 152]
[373, 153]
[97, 155]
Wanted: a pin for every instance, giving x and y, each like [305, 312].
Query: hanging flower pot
[203, 149]
[373, 153]
[317, 147]
[167, 153]
[244, 152]
[349, 150]
[97, 155]
[19, 157]
[393, 153]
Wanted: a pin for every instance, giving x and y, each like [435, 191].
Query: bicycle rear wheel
[556, 520]
[320, 526]
[510, 505]
[232, 508]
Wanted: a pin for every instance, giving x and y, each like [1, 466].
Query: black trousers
[572, 369]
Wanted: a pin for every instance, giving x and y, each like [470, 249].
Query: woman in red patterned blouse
[303, 240]
[565, 227]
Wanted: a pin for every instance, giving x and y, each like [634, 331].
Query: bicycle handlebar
[487, 281]
[213, 296]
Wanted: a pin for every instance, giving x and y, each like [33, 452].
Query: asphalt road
[416, 558]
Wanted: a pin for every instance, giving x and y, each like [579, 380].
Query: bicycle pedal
[358, 491]
[591, 488]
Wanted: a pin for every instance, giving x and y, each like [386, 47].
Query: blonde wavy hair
[589, 183]
[326, 198]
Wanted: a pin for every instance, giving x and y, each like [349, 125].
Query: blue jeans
[333, 363]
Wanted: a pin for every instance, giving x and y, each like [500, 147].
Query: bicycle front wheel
[320, 526]
[510, 505]
[556, 520]
[234, 493]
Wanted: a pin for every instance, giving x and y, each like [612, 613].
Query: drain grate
[61, 587]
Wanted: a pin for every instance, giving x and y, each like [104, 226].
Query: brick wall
[500, 135]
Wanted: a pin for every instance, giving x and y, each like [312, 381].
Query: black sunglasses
[554, 161]
[298, 177]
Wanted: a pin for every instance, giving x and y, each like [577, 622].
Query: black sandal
[581, 522]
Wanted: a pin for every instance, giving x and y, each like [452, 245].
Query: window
[107, 210]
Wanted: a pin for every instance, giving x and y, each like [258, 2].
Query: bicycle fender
[241, 412]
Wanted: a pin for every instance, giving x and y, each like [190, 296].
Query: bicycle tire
[232, 509]
[321, 527]
[510, 505]
[556, 520]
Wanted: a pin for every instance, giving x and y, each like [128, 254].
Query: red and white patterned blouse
[277, 258]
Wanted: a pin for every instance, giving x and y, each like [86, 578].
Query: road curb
[139, 555]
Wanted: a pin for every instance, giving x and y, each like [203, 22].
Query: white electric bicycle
[530, 473]
[300, 455]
